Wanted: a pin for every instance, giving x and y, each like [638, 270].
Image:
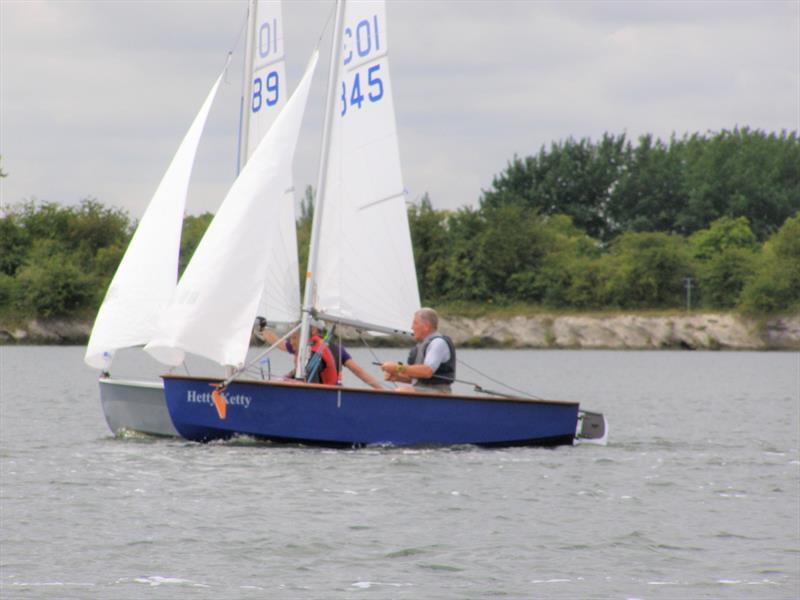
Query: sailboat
[361, 273]
[146, 278]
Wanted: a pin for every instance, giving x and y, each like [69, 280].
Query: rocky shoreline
[706, 331]
[629, 332]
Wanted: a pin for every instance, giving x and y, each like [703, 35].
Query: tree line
[607, 225]
[613, 186]
[618, 225]
[510, 255]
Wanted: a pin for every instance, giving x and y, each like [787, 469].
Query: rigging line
[258, 357]
[229, 57]
[498, 382]
[477, 386]
[241, 30]
[327, 23]
[339, 365]
[371, 351]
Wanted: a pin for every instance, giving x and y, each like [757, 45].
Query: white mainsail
[212, 311]
[265, 94]
[365, 265]
[146, 276]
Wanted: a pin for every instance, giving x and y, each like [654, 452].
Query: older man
[431, 363]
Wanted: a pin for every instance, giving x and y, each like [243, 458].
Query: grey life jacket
[446, 372]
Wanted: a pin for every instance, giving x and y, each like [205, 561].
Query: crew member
[431, 363]
[339, 354]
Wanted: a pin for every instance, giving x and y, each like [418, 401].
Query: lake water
[697, 494]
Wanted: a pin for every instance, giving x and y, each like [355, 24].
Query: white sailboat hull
[132, 405]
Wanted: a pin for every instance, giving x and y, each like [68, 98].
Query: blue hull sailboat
[345, 417]
[360, 274]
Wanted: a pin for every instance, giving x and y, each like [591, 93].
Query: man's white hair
[429, 316]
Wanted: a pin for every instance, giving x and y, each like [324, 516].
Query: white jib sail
[212, 311]
[265, 95]
[147, 275]
[365, 270]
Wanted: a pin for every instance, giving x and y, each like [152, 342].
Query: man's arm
[400, 372]
[362, 374]
[270, 337]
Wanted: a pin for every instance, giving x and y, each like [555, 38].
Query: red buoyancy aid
[326, 373]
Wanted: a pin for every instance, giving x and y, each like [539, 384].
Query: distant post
[687, 283]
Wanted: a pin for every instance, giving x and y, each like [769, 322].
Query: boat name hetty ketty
[205, 398]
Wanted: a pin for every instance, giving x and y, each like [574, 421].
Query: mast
[247, 87]
[330, 107]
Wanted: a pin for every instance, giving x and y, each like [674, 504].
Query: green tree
[511, 248]
[194, 227]
[8, 288]
[645, 270]
[429, 237]
[563, 247]
[647, 196]
[572, 178]
[54, 286]
[91, 227]
[723, 276]
[611, 186]
[775, 287]
[304, 224]
[723, 234]
[15, 242]
[741, 173]
[465, 279]
[589, 284]
[725, 254]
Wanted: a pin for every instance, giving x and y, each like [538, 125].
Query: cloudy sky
[96, 95]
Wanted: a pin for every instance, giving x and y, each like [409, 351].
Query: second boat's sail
[264, 90]
[146, 276]
[212, 311]
[265, 94]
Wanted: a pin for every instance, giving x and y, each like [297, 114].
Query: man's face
[420, 328]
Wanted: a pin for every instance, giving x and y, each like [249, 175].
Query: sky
[95, 96]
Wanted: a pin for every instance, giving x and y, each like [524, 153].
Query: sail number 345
[361, 85]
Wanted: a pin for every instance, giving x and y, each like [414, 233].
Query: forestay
[365, 269]
[264, 97]
[212, 311]
[146, 277]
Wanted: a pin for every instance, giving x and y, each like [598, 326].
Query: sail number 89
[360, 92]
[266, 92]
